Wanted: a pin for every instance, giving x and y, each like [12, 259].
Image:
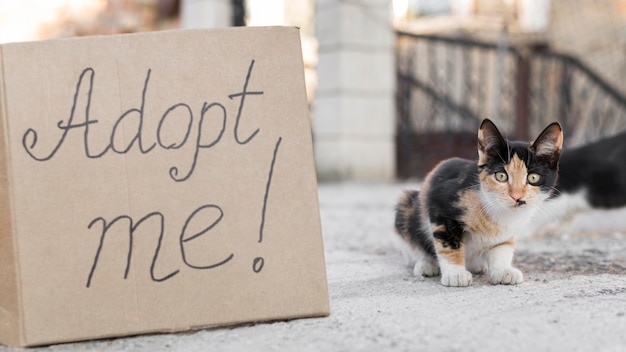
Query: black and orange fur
[467, 213]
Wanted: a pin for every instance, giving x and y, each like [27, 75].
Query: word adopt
[30, 138]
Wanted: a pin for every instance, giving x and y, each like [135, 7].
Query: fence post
[403, 126]
[523, 97]
[565, 98]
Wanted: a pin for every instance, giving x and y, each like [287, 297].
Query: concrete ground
[573, 297]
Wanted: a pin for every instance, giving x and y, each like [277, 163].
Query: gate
[447, 85]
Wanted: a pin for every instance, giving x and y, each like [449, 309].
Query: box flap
[10, 313]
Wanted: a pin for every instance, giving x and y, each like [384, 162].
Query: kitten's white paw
[506, 276]
[426, 267]
[456, 277]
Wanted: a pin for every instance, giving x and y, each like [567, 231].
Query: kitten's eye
[533, 178]
[501, 176]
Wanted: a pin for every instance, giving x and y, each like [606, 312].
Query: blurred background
[395, 86]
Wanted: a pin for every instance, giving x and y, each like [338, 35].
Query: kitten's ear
[550, 141]
[489, 140]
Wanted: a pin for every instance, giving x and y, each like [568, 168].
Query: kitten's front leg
[454, 275]
[451, 254]
[500, 271]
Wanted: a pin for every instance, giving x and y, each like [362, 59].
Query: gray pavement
[573, 297]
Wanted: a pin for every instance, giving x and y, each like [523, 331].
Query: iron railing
[447, 85]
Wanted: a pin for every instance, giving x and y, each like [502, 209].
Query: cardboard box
[156, 182]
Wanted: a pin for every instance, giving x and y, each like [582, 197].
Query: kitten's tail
[408, 223]
[406, 210]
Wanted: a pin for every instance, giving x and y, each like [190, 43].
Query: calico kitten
[467, 213]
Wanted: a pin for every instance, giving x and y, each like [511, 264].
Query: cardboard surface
[156, 182]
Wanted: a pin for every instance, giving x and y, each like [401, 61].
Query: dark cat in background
[592, 176]
[465, 217]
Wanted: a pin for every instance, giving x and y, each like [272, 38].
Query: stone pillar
[205, 13]
[353, 112]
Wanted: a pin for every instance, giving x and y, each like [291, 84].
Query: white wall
[205, 13]
[353, 112]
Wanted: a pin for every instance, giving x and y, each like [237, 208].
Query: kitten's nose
[517, 197]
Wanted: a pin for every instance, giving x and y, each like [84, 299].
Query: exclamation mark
[259, 262]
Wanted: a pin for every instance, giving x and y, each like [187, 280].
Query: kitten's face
[517, 175]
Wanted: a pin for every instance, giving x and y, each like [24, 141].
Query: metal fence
[447, 85]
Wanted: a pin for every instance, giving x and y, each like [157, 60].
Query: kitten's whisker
[544, 211]
[555, 191]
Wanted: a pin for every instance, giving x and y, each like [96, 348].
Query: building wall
[353, 112]
[594, 31]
